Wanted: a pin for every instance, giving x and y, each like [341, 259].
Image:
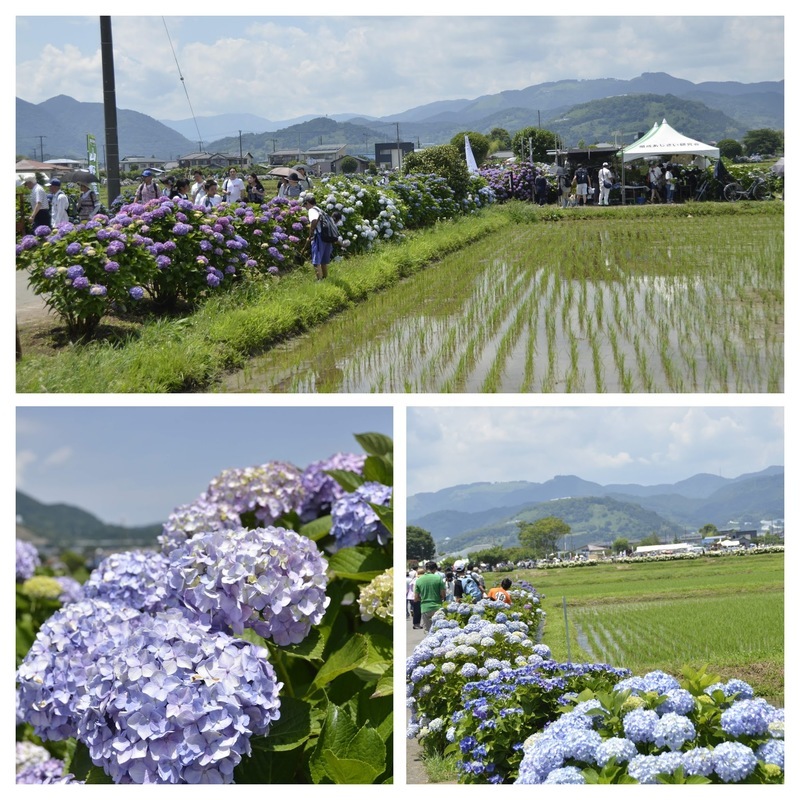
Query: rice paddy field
[603, 304]
[725, 612]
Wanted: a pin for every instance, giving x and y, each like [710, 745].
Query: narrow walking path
[415, 769]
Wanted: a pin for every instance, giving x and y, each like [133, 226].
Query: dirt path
[415, 770]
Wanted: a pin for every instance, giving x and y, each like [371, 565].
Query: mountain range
[60, 526]
[470, 515]
[582, 112]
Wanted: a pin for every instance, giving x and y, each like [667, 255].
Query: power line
[186, 91]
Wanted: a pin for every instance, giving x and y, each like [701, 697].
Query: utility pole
[241, 157]
[110, 110]
[41, 148]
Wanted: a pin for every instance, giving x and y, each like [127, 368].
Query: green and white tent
[663, 141]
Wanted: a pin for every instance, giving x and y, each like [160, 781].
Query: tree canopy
[477, 141]
[419, 544]
[763, 140]
[540, 538]
[729, 148]
[533, 143]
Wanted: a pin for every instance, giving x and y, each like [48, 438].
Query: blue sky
[645, 445]
[133, 465]
[280, 67]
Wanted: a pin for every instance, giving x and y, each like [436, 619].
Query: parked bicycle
[758, 190]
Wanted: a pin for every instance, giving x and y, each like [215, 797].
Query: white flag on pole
[471, 165]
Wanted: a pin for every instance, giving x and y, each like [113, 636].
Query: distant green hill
[66, 527]
[593, 520]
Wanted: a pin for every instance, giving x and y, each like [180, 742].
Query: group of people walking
[428, 588]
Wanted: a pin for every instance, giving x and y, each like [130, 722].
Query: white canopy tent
[662, 141]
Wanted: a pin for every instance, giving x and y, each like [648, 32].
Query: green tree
[540, 538]
[419, 544]
[729, 148]
[708, 530]
[349, 165]
[620, 544]
[653, 538]
[763, 140]
[539, 139]
[477, 141]
[443, 160]
[500, 139]
[491, 555]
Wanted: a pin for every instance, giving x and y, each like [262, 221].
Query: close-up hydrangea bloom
[353, 519]
[198, 517]
[270, 490]
[135, 578]
[733, 761]
[52, 677]
[673, 731]
[746, 718]
[269, 579]
[377, 597]
[321, 491]
[71, 590]
[51, 770]
[176, 703]
[27, 560]
[43, 587]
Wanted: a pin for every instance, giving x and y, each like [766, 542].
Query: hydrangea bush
[172, 251]
[235, 654]
[654, 729]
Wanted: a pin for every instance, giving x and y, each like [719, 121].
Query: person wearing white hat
[59, 204]
[605, 179]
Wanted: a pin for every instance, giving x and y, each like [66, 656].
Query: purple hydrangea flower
[353, 519]
[269, 579]
[27, 560]
[111, 266]
[270, 490]
[115, 247]
[71, 590]
[673, 731]
[135, 578]
[75, 271]
[81, 283]
[198, 517]
[52, 677]
[51, 272]
[321, 491]
[98, 290]
[48, 771]
[175, 703]
[28, 242]
[136, 292]
[73, 248]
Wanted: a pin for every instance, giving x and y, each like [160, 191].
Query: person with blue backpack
[468, 584]
[322, 233]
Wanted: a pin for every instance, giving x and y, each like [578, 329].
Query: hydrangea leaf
[348, 770]
[379, 469]
[318, 529]
[375, 444]
[310, 648]
[358, 563]
[352, 655]
[349, 481]
[385, 685]
[337, 730]
[78, 760]
[290, 731]
[385, 515]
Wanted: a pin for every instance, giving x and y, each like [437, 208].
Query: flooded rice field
[669, 305]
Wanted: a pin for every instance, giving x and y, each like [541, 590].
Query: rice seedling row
[677, 305]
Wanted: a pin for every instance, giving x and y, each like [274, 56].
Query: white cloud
[24, 459]
[58, 457]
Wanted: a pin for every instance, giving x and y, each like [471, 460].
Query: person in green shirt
[430, 593]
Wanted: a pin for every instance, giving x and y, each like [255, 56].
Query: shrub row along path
[415, 769]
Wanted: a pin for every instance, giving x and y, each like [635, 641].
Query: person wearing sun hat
[604, 180]
[40, 203]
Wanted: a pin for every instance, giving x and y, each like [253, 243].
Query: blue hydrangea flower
[545, 755]
[673, 731]
[771, 752]
[734, 687]
[134, 578]
[679, 701]
[30, 754]
[746, 718]
[698, 761]
[622, 750]
[564, 775]
[270, 490]
[269, 579]
[321, 491]
[644, 768]
[733, 761]
[639, 725]
[27, 560]
[353, 519]
[176, 703]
